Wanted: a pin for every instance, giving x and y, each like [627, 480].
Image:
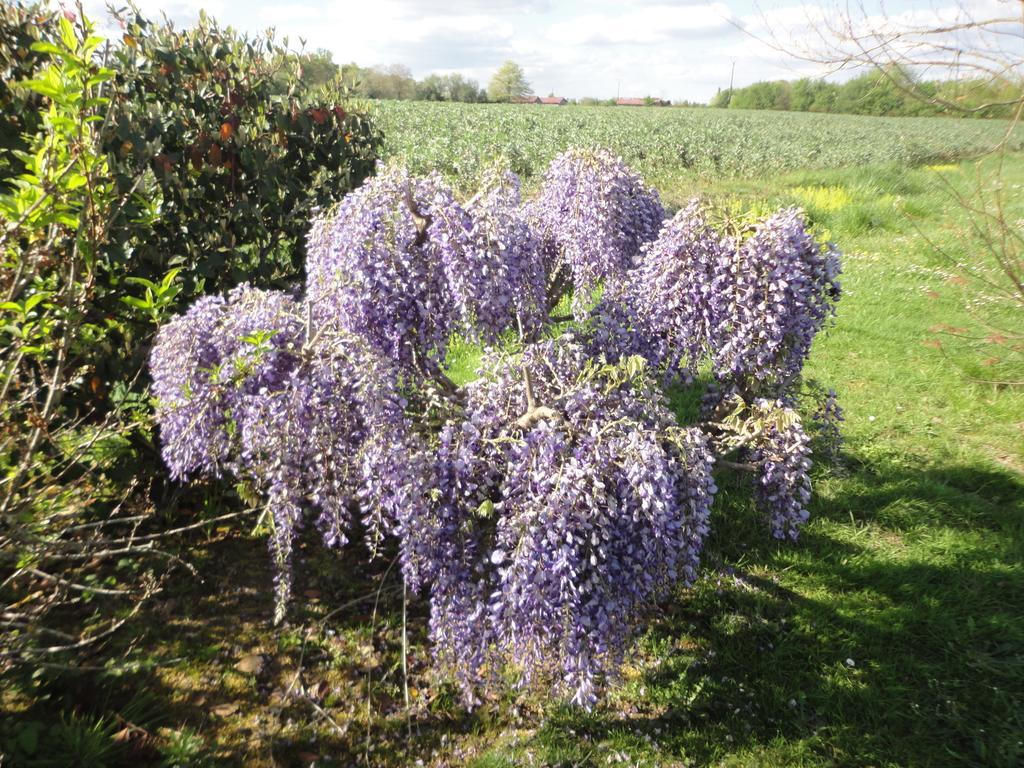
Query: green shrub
[238, 165]
[20, 27]
[169, 165]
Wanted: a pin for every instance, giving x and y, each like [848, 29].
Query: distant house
[558, 100]
[641, 102]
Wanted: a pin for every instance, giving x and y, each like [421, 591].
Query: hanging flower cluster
[570, 499]
[782, 455]
[750, 304]
[781, 288]
[680, 293]
[403, 264]
[207, 362]
[511, 251]
[244, 388]
[593, 214]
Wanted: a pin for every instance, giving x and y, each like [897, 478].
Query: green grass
[891, 634]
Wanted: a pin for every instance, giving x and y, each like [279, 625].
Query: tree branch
[534, 412]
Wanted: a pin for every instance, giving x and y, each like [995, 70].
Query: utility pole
[732, 76]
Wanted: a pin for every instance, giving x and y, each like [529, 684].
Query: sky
[670, 49]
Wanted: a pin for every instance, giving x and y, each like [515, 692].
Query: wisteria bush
[543, 507]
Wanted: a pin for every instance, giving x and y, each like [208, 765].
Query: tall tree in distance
[508, 82]
[318, 67]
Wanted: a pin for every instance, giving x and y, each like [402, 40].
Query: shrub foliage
[139, 176]
[237, 151]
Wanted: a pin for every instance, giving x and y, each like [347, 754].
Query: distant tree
[803, 92]
[313, 69]
[394, 81]
[430, 88]
[756, 96]
[351, 73]
[872, 93]
[508, 82]
[810, 95]
[318, 68]
[783, 97]
[892, 90]
[459, 88]
[451, 87]
[825, 98]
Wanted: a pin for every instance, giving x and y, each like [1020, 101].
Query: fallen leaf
[253, 664]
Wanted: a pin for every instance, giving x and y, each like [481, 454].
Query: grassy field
[460, 140]
[891, 634]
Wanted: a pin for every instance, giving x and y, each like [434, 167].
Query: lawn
[891, 634]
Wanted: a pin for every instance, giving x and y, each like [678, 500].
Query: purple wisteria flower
[403, 264]
[779, 287]
[245, 386]
[782, 454]
[593, 213]
[569, 499]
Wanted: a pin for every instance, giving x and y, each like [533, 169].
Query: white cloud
[645, 25]
[668, 48]
[930, 35]
[423, 42]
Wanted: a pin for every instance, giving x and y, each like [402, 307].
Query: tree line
[893, 91]
[392, 81]
[396, 81]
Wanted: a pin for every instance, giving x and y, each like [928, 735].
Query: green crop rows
[461, 139]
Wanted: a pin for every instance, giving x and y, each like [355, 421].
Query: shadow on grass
[190, 642]
[891, 634]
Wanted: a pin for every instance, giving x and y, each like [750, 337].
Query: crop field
[461, 139]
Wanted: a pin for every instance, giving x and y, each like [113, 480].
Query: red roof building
[641, 102]
[526, 100]
[554, 100]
